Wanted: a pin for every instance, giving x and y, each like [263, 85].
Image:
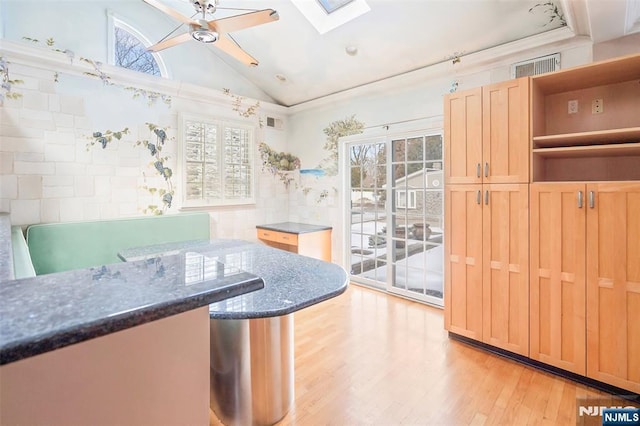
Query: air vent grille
[275, 123]
[536, 66]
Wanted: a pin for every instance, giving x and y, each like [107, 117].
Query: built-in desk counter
[301, 238]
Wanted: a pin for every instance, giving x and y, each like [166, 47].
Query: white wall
[47, 173]
[619, 47]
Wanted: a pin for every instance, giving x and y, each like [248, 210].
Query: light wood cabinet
[486, 214]
[463, 266]
[307, 240]
[463, 134]
[486, 270]
[557, 284]
[585, 275]
[505, 283]
[505, 132]
[561, 269]
[487, 133]
[613, 284]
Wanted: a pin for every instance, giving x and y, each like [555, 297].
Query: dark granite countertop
[52, 311]
[6, 253]
[291, 281]
[293, 227]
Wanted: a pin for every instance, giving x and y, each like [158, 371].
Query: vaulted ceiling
[298, 63]
[395, 37]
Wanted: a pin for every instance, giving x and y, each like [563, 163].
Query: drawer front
[278, 237]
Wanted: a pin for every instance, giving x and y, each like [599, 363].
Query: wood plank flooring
[367, 358]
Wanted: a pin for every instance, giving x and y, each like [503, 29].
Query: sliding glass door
[395, 214]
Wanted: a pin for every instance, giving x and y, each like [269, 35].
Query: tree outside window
[132, 54]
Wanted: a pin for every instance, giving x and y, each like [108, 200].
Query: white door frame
[384, 134]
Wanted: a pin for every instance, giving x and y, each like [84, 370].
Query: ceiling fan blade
[246, 20]
[171, 12]
[231, 48]
[170, 42]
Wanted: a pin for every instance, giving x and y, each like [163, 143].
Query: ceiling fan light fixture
[207, 6]
[205, 36]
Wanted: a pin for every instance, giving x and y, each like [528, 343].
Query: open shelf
[607, 72]
[594, 138]
[583, 145]
[614, 150]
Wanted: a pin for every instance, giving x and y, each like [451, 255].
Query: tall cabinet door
[613, 284]
[557, 285]
[505, 126]
[463, 262]
[505, 255]
[463, 136]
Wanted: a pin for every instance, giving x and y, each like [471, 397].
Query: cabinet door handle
[479, 197]
[580, 199]
[478, 169]
[592, 199]
[486, 197]
[486, 169]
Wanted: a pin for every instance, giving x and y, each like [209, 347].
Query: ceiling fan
[214, 31]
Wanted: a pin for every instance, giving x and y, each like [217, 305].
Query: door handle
[479, 197]
[486, 197]
[580, 199]
[478, 169]
[592, 199]
[486, 169]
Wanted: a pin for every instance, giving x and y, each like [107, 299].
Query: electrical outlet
[597, 106]
[572, 107]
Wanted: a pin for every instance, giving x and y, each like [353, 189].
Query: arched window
[128, 49]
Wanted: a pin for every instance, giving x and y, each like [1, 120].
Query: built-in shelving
[612, 150]
[587, 143]
[613, 136]
[612, 71]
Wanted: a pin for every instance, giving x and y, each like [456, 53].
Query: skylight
[331, 6]
[326, 15]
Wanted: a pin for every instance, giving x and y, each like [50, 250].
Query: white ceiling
[394, 37]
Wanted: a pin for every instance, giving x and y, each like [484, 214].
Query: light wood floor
[366, 358]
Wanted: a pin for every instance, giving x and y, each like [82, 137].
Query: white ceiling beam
[633, 17]
[577, 17]
[607, 19]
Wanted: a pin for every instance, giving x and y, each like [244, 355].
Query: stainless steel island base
[252, 369]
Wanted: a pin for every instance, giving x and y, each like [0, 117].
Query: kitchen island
[252, 334]
[123, 343]
[133, 343]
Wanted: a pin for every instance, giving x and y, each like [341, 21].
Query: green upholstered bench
[56, 247]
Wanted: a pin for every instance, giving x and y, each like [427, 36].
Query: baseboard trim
[604, 387]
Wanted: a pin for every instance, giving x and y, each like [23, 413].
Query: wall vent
[536, 66]
[275, 123]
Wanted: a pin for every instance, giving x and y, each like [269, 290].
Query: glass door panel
[368, 214]
[396, 229]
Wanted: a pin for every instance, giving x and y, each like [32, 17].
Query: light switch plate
[572, 107]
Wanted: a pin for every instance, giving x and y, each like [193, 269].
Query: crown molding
[484, 60]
